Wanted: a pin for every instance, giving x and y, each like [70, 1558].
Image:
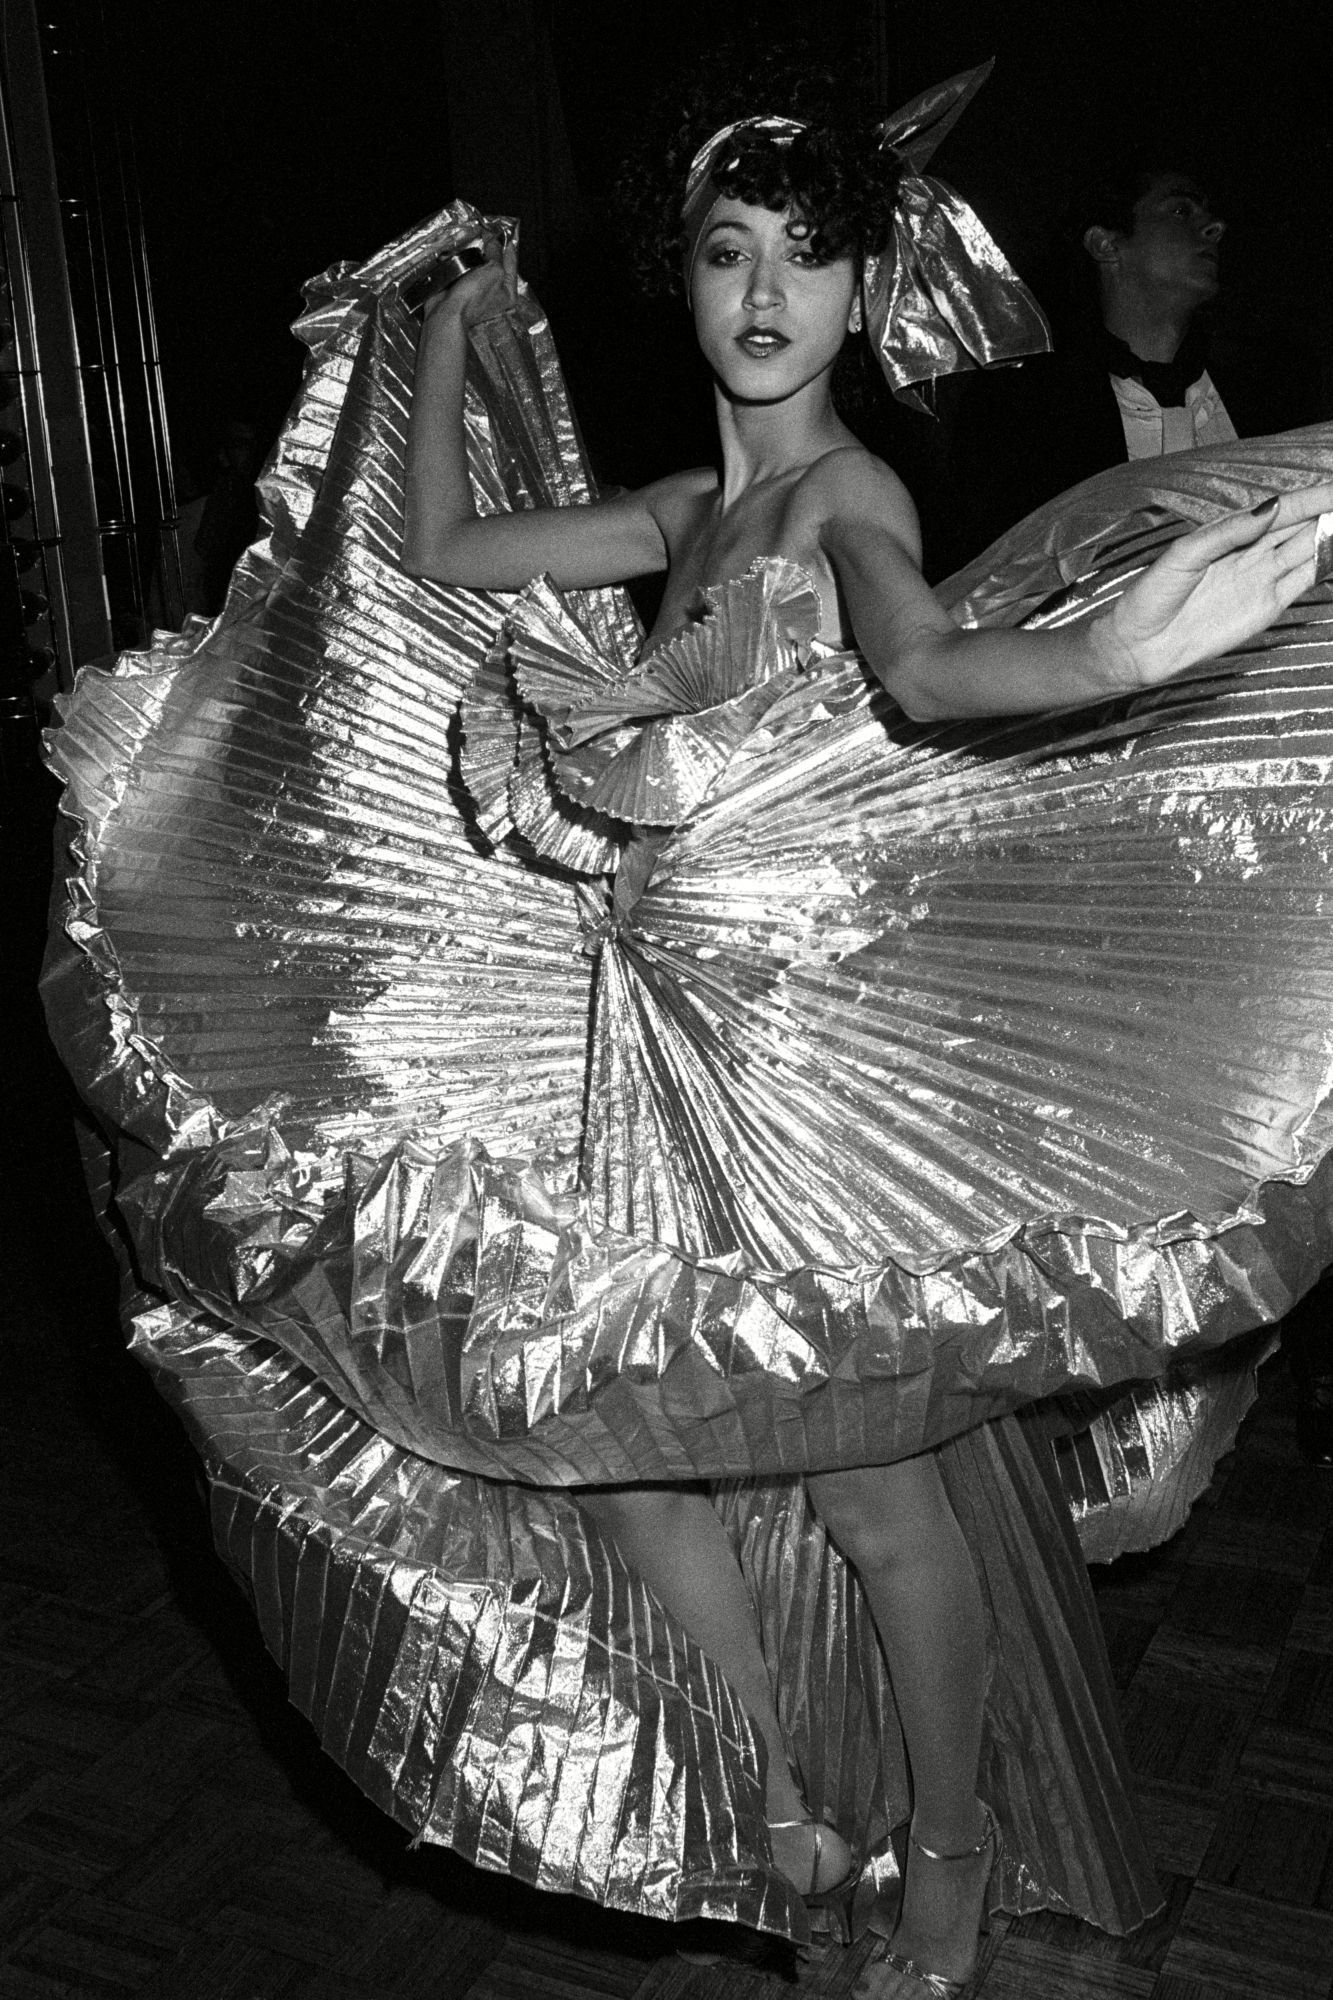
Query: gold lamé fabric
[942, 298]
[482, 1142]
[1131, 1467]
[485, 1667]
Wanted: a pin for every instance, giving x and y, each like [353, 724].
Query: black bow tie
[1167, 381]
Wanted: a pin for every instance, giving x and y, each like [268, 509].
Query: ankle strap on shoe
[959, 1853]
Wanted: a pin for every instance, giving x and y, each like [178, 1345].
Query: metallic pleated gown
[528, 1068]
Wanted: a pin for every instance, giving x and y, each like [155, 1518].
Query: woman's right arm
[444, 537]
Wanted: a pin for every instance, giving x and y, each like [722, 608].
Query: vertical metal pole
[886, 53]
[55, 420]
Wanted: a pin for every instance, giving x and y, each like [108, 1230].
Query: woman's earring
[857, 320]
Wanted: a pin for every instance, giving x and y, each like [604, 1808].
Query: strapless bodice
[638, 749]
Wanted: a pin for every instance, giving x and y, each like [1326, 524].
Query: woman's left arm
[1208, 593]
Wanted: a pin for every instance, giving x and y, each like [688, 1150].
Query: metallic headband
[941, 297]
[700, 196]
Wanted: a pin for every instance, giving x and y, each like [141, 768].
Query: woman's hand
[1216, 588]
[488, 292]
[1209, 593]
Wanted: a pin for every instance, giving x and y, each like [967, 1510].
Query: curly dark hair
[833, 175]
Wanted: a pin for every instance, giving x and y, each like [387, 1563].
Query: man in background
[1135, 371]
[1135, 374]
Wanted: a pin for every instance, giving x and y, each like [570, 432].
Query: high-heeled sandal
[935, 1984]
[836, 1900]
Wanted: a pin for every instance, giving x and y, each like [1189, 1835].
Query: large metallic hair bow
[941, 297]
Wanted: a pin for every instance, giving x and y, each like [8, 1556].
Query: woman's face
[769, 316]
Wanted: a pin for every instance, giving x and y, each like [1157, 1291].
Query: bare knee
[883, 1517]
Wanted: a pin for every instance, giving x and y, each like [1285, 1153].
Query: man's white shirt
[1152, 431]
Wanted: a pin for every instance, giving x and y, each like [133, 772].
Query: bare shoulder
[851, 490]
[676, 500]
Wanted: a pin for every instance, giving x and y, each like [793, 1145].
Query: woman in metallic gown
[777, 222]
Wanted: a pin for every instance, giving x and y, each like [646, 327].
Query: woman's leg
[895, 1526]
[671, 1536]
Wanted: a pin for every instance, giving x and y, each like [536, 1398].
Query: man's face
[1172, 249]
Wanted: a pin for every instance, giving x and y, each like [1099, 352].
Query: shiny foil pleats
[284, 891]
[1132, 1468]
[475, 1319]
[901, 1078]
[486, 1669]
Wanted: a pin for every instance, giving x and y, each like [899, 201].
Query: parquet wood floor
[170, 1831]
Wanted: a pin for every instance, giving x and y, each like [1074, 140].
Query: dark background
[277, 136]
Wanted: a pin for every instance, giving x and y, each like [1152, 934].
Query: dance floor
[168, 1827]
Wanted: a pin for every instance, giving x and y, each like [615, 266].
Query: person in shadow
[1137, 369]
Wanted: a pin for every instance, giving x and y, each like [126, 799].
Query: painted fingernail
[1323, 548]
[1267, 506]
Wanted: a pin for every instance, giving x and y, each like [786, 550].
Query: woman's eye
[724, 253]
